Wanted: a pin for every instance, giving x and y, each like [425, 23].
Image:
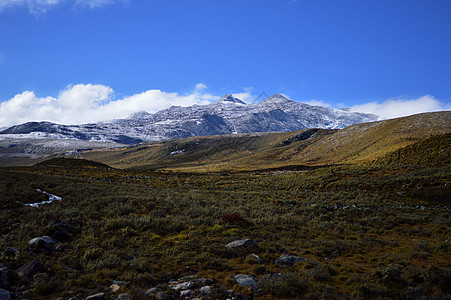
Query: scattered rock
[206, 290]
[114, 287]
[246, 243]
[98, 296]
[123, 296]
[119, 282]
[151, 291]
[287, 260]
[187, 294]
[183, 286]
[246, 280]
[164, 296]
[5, 295]
[5, 276]
[41, 244]
[30, 269]
[257, 259]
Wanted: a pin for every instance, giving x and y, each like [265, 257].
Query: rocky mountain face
[228, 115]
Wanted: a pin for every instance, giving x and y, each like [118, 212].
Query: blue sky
[88, 60]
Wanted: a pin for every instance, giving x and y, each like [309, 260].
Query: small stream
[51, 199]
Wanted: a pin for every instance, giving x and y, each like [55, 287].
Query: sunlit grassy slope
[358, 143]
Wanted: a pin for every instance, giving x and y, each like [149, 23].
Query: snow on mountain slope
[228, 115]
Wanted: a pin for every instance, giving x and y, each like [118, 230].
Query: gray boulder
[245, 280]
[206, 290]
[287, 260]
[45, 239]
[41, 244]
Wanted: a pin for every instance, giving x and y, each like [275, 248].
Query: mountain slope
[228, 115]
[357, 143]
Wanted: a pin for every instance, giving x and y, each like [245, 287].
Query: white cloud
[201, 86]
[39, 7]
[315, 102]
[87, 103]
[246, 96]
[393, 108]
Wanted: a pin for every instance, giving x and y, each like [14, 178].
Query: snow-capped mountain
[228, 115]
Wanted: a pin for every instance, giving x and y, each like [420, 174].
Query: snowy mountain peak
[139, 115]
[277, 98]
[229, 99]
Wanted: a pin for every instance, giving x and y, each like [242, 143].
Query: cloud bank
[394, 108]
[88, 103]
[38, 7]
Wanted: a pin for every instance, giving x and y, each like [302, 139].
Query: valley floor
[349, 232]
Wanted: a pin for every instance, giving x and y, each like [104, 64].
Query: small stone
[41, 244]
[30, 269]
[5, 295]
[151, 291]
[287, 260]
[183, 286]
[246, 280]
[119, 282]
[246, 243]
[257, 259]
[114, 287]
[98, 296]
[45, 239]
[187, 294]
[123, 296]
[164, 296]
[206, 290]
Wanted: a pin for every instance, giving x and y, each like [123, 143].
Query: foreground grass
[365, 231]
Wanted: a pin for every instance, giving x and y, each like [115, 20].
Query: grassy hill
[359, 143]
[363, 212]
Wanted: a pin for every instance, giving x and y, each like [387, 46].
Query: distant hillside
[354, 144]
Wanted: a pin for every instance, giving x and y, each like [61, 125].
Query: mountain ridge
[228, 115]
